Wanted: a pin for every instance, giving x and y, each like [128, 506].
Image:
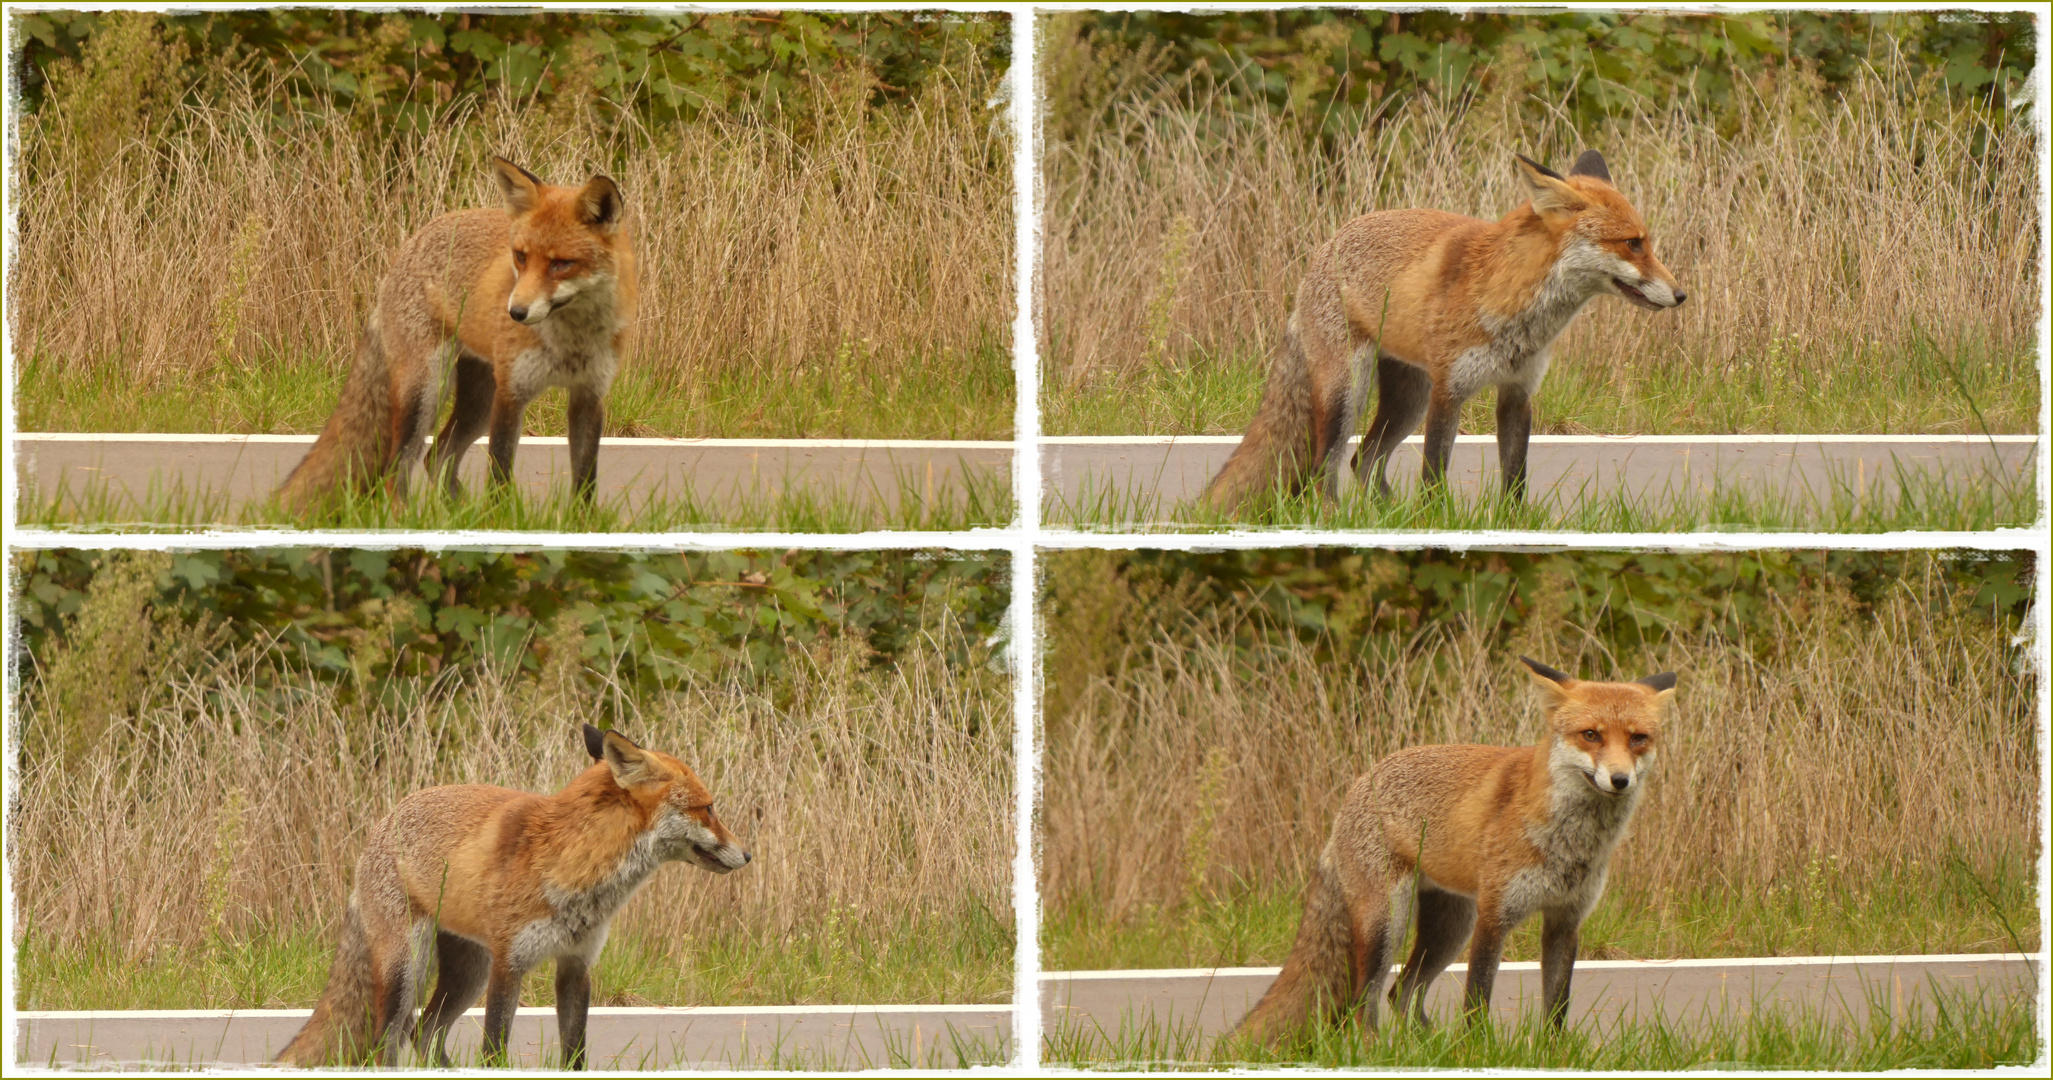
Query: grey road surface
[1682, 992]
[226, 471]
[1156, 473]
[816, 1037]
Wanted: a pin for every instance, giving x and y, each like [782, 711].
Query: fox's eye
[1638, 740]
[1635, 245]
[561, 266]
[520, 259]
[1592, 736]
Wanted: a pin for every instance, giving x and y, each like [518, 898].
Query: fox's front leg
[507, 410]
[1485, 950]
[573, 1003]
[1560, 935]
[502, 1003]
[1443, 421]
[1514, 431]
[587, 416]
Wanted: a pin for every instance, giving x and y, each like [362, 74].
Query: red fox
[1446, 305]
[495, 882]
[1470, 841]
[521, 299]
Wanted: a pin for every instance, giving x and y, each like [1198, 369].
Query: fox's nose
[1680, 296]
[747, 858]
[1621, 781]
[518, 312]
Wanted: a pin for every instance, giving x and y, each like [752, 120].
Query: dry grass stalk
[233, 235]
[1813, 741]
[1812, 226]
[865, 795]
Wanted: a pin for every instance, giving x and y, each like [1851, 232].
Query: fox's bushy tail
[1318, 977]
[347, 1021]
[355, 445]
[1280, 445]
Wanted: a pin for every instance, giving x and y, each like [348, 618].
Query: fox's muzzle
[724, 859]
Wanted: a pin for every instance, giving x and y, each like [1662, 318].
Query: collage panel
[1775, 809]
[368, 781]
[714, 271]
[1603, 271]
[461, 462]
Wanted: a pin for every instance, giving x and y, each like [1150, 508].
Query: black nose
[1620, 782]
[1680, 296]
[520, 314]
[747, 858]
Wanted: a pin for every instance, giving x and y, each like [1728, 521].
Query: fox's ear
[1663, 686]
[519, 186]
[630, 763]
[598, 203]
[1557, 684]
[1591, 164]
[1550, 193]
[595, 743]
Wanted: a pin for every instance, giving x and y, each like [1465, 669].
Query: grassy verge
[1831, 910]
[848, 394]
[982, 498]
[1918, 500]
[206, 859]
[962, 958]
[1945, 1029]
[1918, 389]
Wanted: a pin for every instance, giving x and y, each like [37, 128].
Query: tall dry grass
[234, 809]
[1822, 735]
[236, 229]
[1803, 226]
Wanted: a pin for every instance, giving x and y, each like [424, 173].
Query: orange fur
[1444, 305]
[1476, 839]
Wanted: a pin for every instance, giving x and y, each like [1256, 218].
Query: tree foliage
[376, 620]
[1336, 70]
[410, 66]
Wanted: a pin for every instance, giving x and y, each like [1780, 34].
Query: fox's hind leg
[1402, 395]
[1341, 480]
[463, 966]
[1445, 922]
[468, 418]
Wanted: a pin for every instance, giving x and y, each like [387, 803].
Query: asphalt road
[1684, 992]
[1079, 471]
[231, 470]
[847, 1037]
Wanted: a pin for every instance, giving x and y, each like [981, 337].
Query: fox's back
[447, 843]
[1461, 801]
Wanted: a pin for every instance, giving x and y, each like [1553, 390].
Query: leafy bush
[376, 621]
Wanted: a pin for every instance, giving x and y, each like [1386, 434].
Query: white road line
[654, 1011]
[1580, 965]
[534, 440]
[1568, 440]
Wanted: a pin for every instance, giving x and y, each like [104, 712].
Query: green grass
[1921, 500]
[1944, 1028]
[960, 959]
[848, 395]
[1917, 391]
[1833, 911]
[983, 499]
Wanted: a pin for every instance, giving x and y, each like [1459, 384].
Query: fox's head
[561, 239]
[681, 807]
[1605, 732]
[1601, 234]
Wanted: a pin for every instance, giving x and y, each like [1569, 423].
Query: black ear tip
[1591, 164]
[1661, 682]
[595, 742]
[1545, 672]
